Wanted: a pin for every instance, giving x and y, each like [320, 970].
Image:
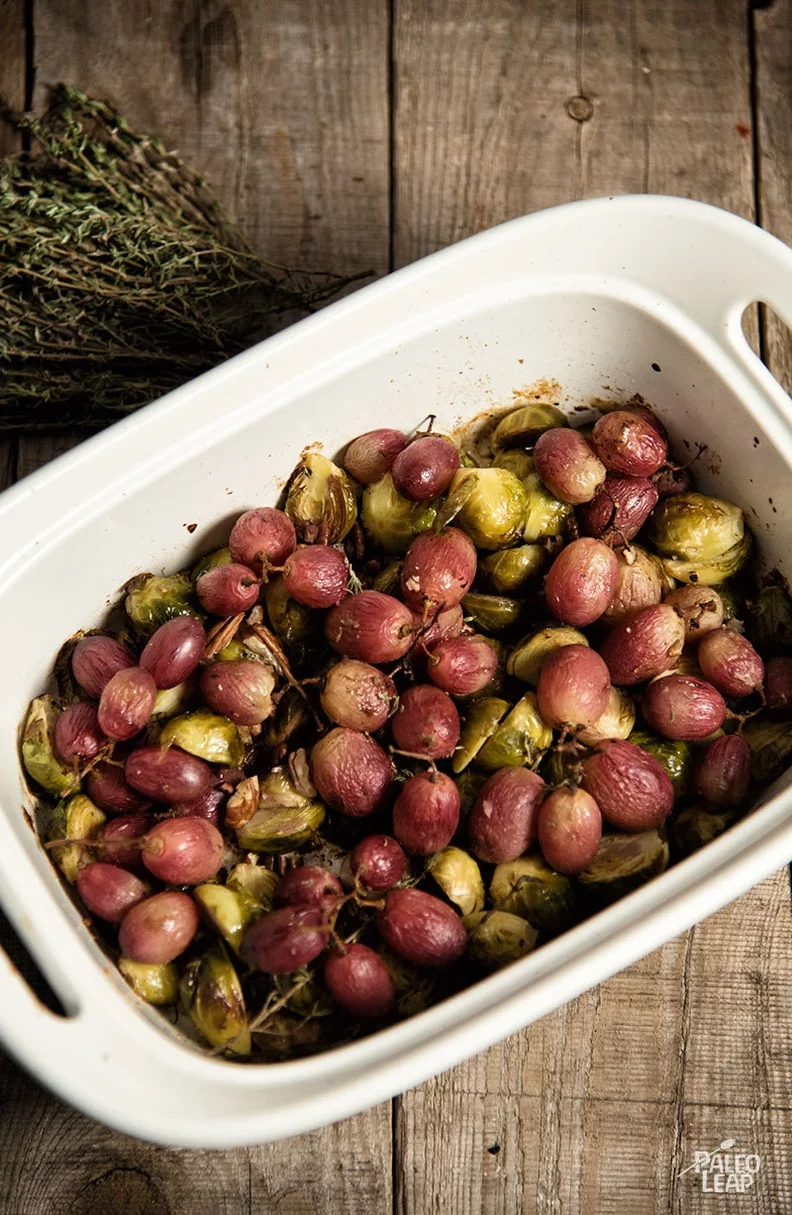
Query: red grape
[631, 788]
[309, 886]
[240, 690]
[426, 813]
[358, 695]
[109, 891]
[169, 775]
[446, 624]
[700, 607]
[77, 736]
[378, 862]
[502, 823]
[263, 534]
[582, 580]
[106, 786]
[371, 455]
[426, 468]
[645, 645]
[639, 583]
[183, 851]
[629, 443]
[724, 771]
[127, 703]
[439, 569]
[113, 837]
[206, 806]
[778, 685]
[227, 589]
[569, 829]
[730, 662]
[371, 627]
[619, 509]
[352, 772]
[173, 652]
[574, 687]
[284, 940]
[317, 575]
[426, 722]
[159, 928]
[360, 982]
[568, 465]
[463, 665]
[421, 929]
[96, 660]
[683, 706]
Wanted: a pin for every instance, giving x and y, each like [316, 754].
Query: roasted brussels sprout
[469, 784]
[388, 580]
[497, 938]
[392, 521]
[414, 987]
[291, 714]
[519, 740]
[516, 461]
[155, 982]
[211, 996]
[75, 819]
[676, 757]
[563, 765]
[285, 818]
[311, 999]
[480, 723]
[770, 622]
[522, 427]
[694, 827]
[220, 556]
[528, 887]
[152, 600]
[38, 753]
[509, 570]
[230, 911]
[171, 701]
[491, 613]
[255, 881]
[700, 539]
[545, 514]
[459, 877]
[320, 500]
[771, 747]
[490, 504]
[297, 628]
[529, 655]
[617, 721]
[207, 735]
[623, 863]
[734, 607]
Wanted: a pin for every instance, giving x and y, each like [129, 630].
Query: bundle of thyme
[120, 276]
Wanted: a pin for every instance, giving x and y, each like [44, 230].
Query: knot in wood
[579, 108]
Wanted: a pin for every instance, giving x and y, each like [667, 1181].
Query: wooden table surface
[362, 134]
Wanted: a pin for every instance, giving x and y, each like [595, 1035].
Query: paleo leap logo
[723, 1172]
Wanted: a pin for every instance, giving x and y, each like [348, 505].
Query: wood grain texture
[773, 44]
[283, 105]
[12, 65]
[503, 108]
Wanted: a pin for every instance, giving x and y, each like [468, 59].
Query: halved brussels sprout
[523, 426]
[388, 580]
[529, 655]
[296, 627]
[312, 999]
[392, 521]
[694, 827]
[492, 613]
[210, 561]
[545, 515]
[489, 504]
[480, 723]
[497, 938]
[623, 863]
[155, 982]
[675, 756]
[771, 747]
[285, 818]
[701, 539]
[529, 888]
[286, 1036]
[516, 461]
[152, 600]
[230, 911]
[770, 622]
[211, 996]
[521, 738]
[563, 765]
[232, 652]
[734, 607]
[511, 569]
[38, 752]
[469, 784]
[459, 877]
[207, 735]
[617, 721]
[254, 880]
[75, 819]
[320, 500]
[414, 987]
[174, 700]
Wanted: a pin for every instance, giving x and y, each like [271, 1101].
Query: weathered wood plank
[503, 108]
[12, 64]
[773, 43]
[285, 109]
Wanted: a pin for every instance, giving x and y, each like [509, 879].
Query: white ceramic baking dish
[609, 298]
